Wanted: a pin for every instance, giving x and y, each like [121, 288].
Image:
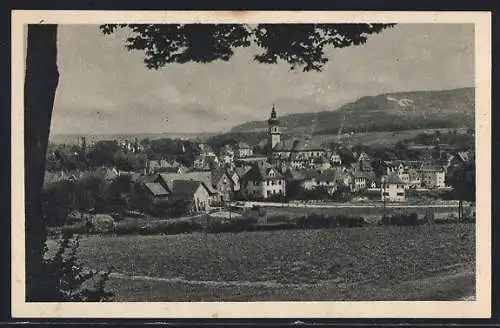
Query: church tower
[274, 133]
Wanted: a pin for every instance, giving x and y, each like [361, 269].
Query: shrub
[74, 229]
[126, 228]
[177, 227]
[65, 278]
[278, 218]
[401, 219]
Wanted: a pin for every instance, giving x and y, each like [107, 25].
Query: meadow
[376, 138]
[429, 262]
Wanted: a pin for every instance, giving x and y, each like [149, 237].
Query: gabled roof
[139, 177]
[465, 156]
[200, 176]
[432, 167]
[242, 170]
[284, 145]
[363, 174]
[243, 145]
[363, 155]
[217, 174]
[187, 187]
[262, 172]
[156, 189]
[413, 174]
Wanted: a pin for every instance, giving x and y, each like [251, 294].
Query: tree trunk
[40, 85]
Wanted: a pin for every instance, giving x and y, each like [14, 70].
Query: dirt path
[212, 283]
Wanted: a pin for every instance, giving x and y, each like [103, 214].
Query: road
[346, 205]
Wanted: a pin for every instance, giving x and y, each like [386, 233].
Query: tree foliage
[66, 279]
[299, 45]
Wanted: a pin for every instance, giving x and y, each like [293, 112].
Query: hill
[387, 112]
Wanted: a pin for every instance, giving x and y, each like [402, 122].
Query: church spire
[273, 112]
[273, 132]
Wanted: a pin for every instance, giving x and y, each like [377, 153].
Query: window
[267, 183]
[400, 194]
[273, 182]
[385, 193]
[279, 182]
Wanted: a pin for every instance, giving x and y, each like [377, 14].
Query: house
[205, 162]
[221, 181]
[194, 191]
[433, 176]
[415, 180]
[242, 170]
[322, 164]
[235, 178]
[163, 165]
[206, 150]
[296, 163]
[360, 180]
[249, 160]
[392, 189]
[335, 158]
[461, 157]
[156, 193]
[364, 157]
[108, 174]
[217, 181]
[226, 155]
[329, 179]
[243, 150]
[316, 179]
[174, 169]
[372, 184]
[283, 149]
[263, 181]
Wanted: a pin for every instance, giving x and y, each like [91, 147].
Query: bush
[178, 227]
[65, 278]
[402, 219]
[278, 218]
[74, 229]
[127, 228]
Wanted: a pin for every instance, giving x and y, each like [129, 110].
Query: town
[173, 178]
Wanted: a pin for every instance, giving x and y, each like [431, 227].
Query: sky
[106, 89]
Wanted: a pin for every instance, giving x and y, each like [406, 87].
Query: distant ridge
[386, 112]
[75, 138]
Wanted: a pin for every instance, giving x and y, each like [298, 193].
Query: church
[288, 149]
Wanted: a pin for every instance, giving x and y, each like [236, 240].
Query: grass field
[373, 263]
[376, 138]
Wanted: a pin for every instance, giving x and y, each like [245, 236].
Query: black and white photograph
[242, 160]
